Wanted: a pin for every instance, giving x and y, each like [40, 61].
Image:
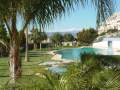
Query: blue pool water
[75, 53]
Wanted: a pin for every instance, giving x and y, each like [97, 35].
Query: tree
[86, 37]
[112, 31]
[26, 45]
[22, 38]
[34, 37]
[42, 12]
[24, 42]
[3, 37]
[3, 32]
[38, 37]
[57, 39]
[68, 37]
[42, 36]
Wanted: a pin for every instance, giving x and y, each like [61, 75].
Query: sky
[78, 19]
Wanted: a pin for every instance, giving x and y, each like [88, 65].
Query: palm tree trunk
[15, 63]
[26, 51]
[40, 45]
[35, 46]
[1, 51]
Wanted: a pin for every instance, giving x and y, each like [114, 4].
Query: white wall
[104, 45]
[116, 45]
[67, 43]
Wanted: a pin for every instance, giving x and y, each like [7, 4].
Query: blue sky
[78, 19]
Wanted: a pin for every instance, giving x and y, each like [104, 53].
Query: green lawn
[29, 69]
[4, 74]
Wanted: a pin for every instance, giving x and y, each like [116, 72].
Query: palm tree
[3, 38]
[38, 37]
[41, 11]
[57, 39]
[26, 46]
[42, 37]
[34, 37]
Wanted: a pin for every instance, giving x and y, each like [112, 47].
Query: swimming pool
[75, 53]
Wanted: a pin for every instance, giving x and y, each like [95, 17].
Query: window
[110, 44]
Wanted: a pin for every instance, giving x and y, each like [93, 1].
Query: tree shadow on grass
[1, 76]
[4, 69]
[4, 65]
[34, 55]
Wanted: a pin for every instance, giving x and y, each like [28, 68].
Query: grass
[29, 69]
[4, 73]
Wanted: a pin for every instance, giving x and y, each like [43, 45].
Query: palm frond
[3, 42]
[105, 8]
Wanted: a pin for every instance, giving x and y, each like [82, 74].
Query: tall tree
[42, 12]
[87, 36]
[26, 45]
[34, 37]
[38, 37]
[41, 36]
[57, 39]
[68, 37]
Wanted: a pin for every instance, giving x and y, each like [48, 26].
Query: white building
[47, 41]
[109, 40]
[106, 43]
[113, 22]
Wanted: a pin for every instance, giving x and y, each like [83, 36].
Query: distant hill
[72, 32]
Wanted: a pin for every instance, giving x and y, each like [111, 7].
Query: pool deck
[58, 57]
